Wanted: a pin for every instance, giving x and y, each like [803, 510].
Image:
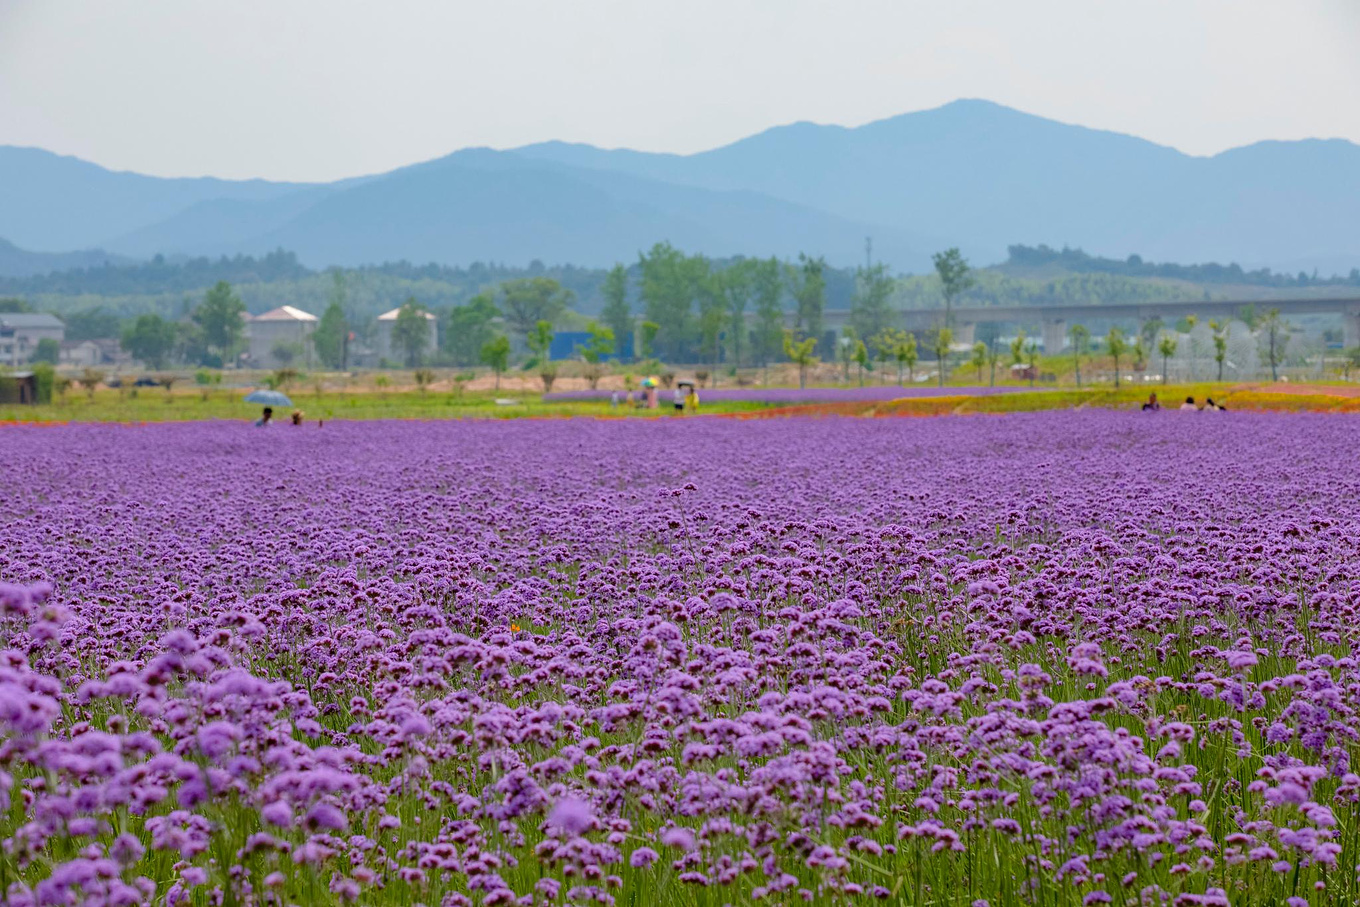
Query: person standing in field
[692, 400]
[1189, 406]
[1152, 405]
[263, 421]
[678, 399]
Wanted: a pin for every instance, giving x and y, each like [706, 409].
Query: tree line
[674, 306]
[1077, 261]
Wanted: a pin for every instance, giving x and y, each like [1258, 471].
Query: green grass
[1232, 396]
[155, 405]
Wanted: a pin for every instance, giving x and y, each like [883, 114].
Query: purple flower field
[794, 395]
[1064, 658]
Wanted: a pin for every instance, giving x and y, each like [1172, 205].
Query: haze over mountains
[971, 173]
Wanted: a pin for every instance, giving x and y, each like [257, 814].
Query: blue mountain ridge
[971, 173]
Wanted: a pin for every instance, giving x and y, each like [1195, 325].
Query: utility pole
[868, 252]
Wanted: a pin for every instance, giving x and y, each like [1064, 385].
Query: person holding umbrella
[270, 399]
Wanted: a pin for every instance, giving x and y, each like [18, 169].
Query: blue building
[565, 344]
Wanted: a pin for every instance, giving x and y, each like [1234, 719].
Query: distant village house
[20, 333]
[386, 349]
[280, 338]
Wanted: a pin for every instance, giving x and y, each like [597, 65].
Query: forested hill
[1029, 259]
[16, 262]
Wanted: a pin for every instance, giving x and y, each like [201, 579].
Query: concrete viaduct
[1057, 318]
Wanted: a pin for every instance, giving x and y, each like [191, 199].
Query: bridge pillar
[965, 332]
[1055, 335]
[1350, 328]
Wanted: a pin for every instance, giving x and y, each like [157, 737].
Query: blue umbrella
[268, 398]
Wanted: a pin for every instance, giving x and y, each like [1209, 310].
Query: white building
[272, 336]
[90, 353]
[383, 337]
[21, 331]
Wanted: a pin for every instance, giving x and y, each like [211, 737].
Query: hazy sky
[287, 89]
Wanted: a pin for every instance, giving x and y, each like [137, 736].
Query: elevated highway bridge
[1056, 319]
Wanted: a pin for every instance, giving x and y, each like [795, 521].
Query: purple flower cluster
[1055, 658]
[787, 396]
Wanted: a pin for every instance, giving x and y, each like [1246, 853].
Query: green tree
[738, 284]
[800, 352]
[670, 283]
[411, 332]
[48, 350]
[539, 342]
[1018, 348]
[1032, 355]
[956, 278]
[495, 355]
[1167, 347]
[470, 327]
[906, 353]
[282, 377]
[807, 285]
[149, 339]
[1151, 329]
[869, 306]
[1350, 361]
[713, 316]
[1220, 329]
[191, 347]
[207, 379]
[1276, 331]
[13, 306]
[1080, 335]
[769, 326]
[616, 314]
[944, 339]
[1139, 353]
[221, 316]
[993, 356]
[1118, 346]
[979, 358]
[647, 336]
[331, 337]
[528, 300]
[45, 375]
[91, 324]
[881, 344]
[89, 379]
[600, 345]
[286, 353]
[861, 357]
[423, 377]
[846, 351]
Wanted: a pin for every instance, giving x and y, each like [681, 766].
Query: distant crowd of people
[1189, 406]
[684, 397]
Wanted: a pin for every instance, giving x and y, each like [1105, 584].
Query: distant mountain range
[972, 173]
